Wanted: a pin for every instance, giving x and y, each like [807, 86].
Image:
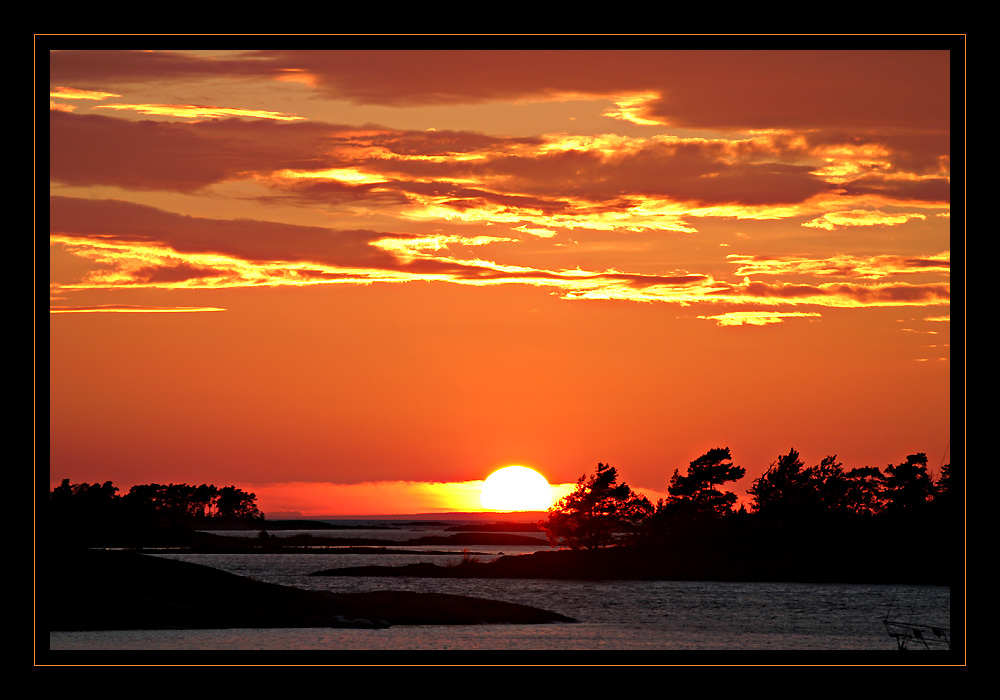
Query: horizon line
[398, 516]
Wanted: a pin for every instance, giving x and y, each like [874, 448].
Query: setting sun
[516, 488]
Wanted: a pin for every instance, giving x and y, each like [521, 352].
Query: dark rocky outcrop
[636, 563]
[91, 590]
[479, 538]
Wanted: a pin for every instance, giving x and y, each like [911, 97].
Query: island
[118, 590]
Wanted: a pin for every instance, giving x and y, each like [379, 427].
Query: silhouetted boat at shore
[909, 634]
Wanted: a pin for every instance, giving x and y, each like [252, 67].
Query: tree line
[98, 508]
[788, 497]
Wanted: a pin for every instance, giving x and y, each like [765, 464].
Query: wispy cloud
[861, 217]
[200, 111]
[142, 247]
[67, 93]
[130, 309]
[756, 318]
[848, 266]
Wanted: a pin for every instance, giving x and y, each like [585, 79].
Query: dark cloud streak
[759, 88]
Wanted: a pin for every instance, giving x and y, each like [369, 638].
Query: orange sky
[350, 274]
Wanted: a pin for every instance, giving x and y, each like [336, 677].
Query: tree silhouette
[202, 501]
[597, 512]
[236, 503]
[83, 507]
[696, 492]
[786, 490]
[862, 491]
[944, 480]
[943, 497]
[908, 486]
[95, 513]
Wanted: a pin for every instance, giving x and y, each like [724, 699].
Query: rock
[93, 590]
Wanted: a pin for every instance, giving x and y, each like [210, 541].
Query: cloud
[903, 188]
[866, 267]
[860, 217]
[757, 318]
[88, 149]
[722, 89]
[619, 183]
[92, 68]
[131, 309]
[109, 229]
[140, 246]
[66, 93]
[200, 111]
[787, 135]
[759, 88]
[840, 294]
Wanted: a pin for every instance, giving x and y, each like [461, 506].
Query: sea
[618, 621]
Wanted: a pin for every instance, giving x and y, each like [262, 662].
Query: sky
[359, 281]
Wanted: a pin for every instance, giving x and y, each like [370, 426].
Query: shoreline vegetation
[822, 524]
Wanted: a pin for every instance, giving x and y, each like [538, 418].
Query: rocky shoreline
[637, 563]
[118, 590]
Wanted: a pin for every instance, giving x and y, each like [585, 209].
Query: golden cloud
[148, 248]
[867, 267]
[200, 111]
[130, 309]
[757, 318]
[67, 93]
[860, 217]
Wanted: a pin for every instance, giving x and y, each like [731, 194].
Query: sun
[516, 488]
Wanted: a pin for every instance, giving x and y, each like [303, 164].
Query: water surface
[614, 616]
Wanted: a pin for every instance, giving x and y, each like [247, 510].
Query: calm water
[615, 616]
